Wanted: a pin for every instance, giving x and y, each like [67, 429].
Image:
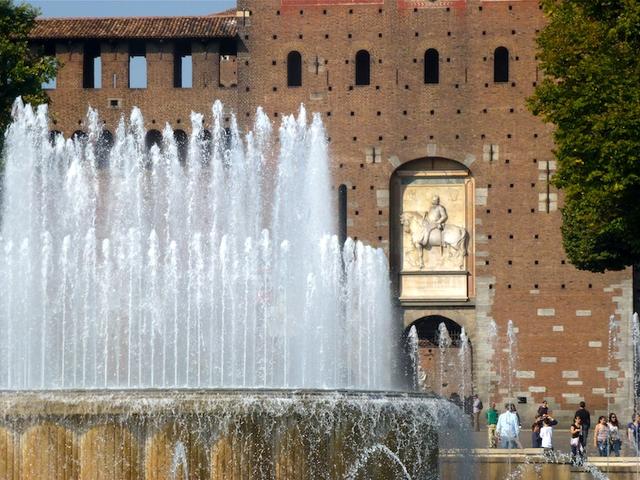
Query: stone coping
[116, 402]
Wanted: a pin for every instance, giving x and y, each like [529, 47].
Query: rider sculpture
[432, 230]
[434, 219]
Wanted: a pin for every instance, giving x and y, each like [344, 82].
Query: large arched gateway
[432, 264]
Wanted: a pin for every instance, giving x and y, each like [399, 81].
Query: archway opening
[445, 358]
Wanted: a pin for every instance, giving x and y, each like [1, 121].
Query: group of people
[503, 431]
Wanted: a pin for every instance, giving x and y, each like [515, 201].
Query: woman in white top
[615, 441]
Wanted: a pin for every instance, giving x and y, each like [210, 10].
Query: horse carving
[425, 235]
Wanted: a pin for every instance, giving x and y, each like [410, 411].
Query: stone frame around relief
[446, 281]
[407, 4]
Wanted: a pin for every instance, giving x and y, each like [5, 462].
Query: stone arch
[182, 142]
[425, 269]
[153, 137]
[229, 459]
[53, 135]
[446, 362]
[9, 465]
[79, 136]
[291, 456]
[48, 451]
[109, 452]
[176, 452]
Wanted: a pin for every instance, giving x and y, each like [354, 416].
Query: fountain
[193, 316]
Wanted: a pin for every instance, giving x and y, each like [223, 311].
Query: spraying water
[493, 337]
[512, 351]
[463, 358]
[221, 270]
[444, 342]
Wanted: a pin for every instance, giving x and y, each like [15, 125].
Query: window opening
[91, 66]
[501, 65]
[363, 68]
[431, 66]
[294, 69]
[49, 50]
[137, 65]
[182, 65]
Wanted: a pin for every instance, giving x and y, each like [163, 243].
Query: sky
[126, 8]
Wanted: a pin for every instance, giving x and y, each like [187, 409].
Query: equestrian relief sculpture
[430, 230]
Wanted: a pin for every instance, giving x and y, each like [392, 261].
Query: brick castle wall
[520, 271]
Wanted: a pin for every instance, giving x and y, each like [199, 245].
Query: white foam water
[218, 271]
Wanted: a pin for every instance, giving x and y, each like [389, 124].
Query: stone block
[583, 313]
[546, 312]
[558, 328]
[533, 389]
[382, 198]
[549, 359]
[525, 374]
[569, 374]
[481, 196]
[595, 344]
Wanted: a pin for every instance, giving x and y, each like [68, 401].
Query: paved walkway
[561, 438]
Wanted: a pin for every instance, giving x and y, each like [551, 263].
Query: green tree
[590, 54]
[22, 69]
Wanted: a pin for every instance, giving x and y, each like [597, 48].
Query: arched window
[363, 68]
[53, 135]
[79, 136]
[431, 66]
[294, 69]
[153, 137]
[501, 65]
[182, 142]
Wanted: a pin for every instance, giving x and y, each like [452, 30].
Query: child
[546, 437]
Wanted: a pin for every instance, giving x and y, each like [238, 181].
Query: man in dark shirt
[584, 415]
[543, 409]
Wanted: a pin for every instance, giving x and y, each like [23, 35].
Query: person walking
[585, 418]
[477, 408]
[577, 449]
[492, 420]
[601, 436]
[508, 427]
[633, 433]
[615, 442]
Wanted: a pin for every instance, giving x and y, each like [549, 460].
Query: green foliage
[22, 70]
[590, 53]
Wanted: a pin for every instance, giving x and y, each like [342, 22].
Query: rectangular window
[182, 66]
[49, 49]
[137, 65]
[92, 66]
